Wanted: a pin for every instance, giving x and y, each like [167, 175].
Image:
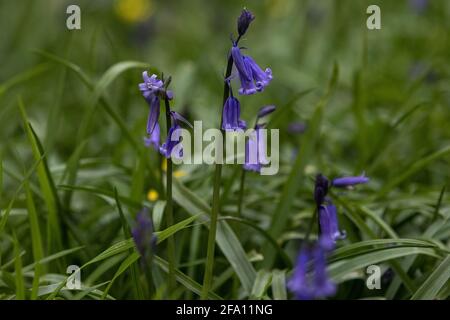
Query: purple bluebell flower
[266, 110]
[153, 115]
[253, 78]
[153, 140]
[172, 140]
[310, 279]
[231, 114]
[345, 182]
[323, 286]
[320, 189]
[329, 227]
[244, 21]
[255, 151]
[143, 235]
[298, 283]
[151, 85]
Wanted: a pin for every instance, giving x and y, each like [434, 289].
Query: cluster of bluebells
[143, 235]
[153, 91]
[252, 80]
[310, 279]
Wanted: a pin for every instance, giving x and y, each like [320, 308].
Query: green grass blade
[262, 283]
[338, 270]
[279, 285]
[47, 186]
[435, 282]
[183, 279]
[20, 285]
[36, 240]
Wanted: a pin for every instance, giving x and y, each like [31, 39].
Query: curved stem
[209, 267]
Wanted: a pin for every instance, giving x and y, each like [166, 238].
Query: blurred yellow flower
[152, 195]
[133, 11]
[179, 173]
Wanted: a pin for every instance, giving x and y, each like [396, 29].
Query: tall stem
[241, 193]
[209, 267]
[169, 210]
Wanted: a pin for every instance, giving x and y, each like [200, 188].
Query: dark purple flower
[255, 151]
[153, 140]
[345, 182]
[329, 227]
[231, 114]
[298, 283]
[266, 110]
[172, 140]
[253, 78]
[244, 21]
[323, 286]
[153, 115]
[310, 279]
[143, 235]
[151, 85]
[320, 189]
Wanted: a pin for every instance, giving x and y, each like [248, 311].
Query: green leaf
[435, 282]
[262, 283]
[166, 233]
[225, 237]
[36, 240]
[185, 280]
[338, 270]
[129, 261]
[116, 248]
[20, 285]
[46, 184]
[279, 285]
[158, 213]
[413, 168]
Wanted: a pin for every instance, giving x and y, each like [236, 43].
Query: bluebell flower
[143, 235]
[153, 114]
[253, 78]
[310, 279]
[172, 140]
[154, 138]
[174, 137]
[244, 21]
[151, 85]
[231, 115]
[329, 227]
[296, 128]
[345, 182]
[255, 151]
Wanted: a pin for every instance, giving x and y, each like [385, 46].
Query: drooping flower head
[265, 111]
[346, 182]
[329, 226]
[231, 115]
[255, 150]
[174, 137]
[143, 235]
[153, 140]
[253, 78]
[310, 279]
[244, 21]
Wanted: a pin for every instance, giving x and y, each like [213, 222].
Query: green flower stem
[169, 210]
[209, 267]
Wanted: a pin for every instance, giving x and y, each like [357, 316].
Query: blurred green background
[388, 113]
